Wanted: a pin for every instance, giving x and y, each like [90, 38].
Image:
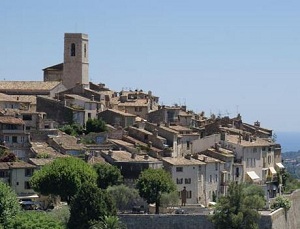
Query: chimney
[205, 158]
[93, 98]
[146, 157]
[133, 155]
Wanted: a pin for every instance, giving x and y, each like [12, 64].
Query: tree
[89, 205]
[152, 183]
[34, 220]
[108, 175]
[95, 125]
[281, 202]
[239, 209]
[63, 177]
[169, 199]
[74, 129]
[9, 205]
[124, 197]
[108, 222]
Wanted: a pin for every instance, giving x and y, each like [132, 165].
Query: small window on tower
[84, 50]
[72, 49]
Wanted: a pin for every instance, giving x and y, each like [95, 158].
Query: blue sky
[217, 56]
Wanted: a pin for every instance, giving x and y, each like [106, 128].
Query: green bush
[281, 202]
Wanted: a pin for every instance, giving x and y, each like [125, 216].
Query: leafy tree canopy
[89, 205]
[95, 125]
[124, 196]
[63, 177]
[108, 222]
[239, 208]
[73, 129]
[152, 183]
[34, 220]
[108, 175]
[9, 205]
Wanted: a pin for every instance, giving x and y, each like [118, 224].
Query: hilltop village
[202, 153]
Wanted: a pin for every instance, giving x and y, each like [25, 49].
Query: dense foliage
[63, 177]
[9, 205]
[34, 220]
[281, 202]
[95, 125]
[108, 175]
[108, 222]
[239, 208]
[152, 183]
[90, 204]
[124, 197]
[73, 129]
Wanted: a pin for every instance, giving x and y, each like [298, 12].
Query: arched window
[73, 49]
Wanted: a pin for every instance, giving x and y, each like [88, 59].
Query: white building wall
[189, 173]
[202, 144]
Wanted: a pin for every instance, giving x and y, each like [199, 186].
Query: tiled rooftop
[124, 156]
[258, 142]
[28, 85]
[11, 120]
[182, 161]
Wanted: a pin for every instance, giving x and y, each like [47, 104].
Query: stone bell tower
[76, 60]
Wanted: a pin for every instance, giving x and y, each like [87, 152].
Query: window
[4, 173]
[216, 165]
[210, 178]
[89, 115]
[254, 150]
[28, 172]
[188, 145]
[22, 139]
[138, 109]
[216, 178]
[187, 181]
[179, 169]
[6, 138]
[84, 48]
[237, 172]
[189, 194]
[73, 49]
[179, 181]
[27, 185]
[269, 159]
[14, 139]
[27, 117]
[263, 148]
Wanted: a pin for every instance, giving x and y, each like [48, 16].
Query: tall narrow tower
[76, 60]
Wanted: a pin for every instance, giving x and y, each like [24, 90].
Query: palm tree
[109, 222]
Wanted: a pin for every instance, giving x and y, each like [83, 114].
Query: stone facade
[76, 61]
[276, 220]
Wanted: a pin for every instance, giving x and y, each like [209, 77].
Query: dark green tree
[108, 175]
[95, 125]
[63, 177]
[9, 205]
[32, 220]
[152, 183]
[124, 196]
[89, 205]
[239, 208]
[108, 222]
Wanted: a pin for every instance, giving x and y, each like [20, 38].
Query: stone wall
[276, 220]
[166, 221]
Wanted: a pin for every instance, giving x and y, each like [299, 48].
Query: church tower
[76, 60]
